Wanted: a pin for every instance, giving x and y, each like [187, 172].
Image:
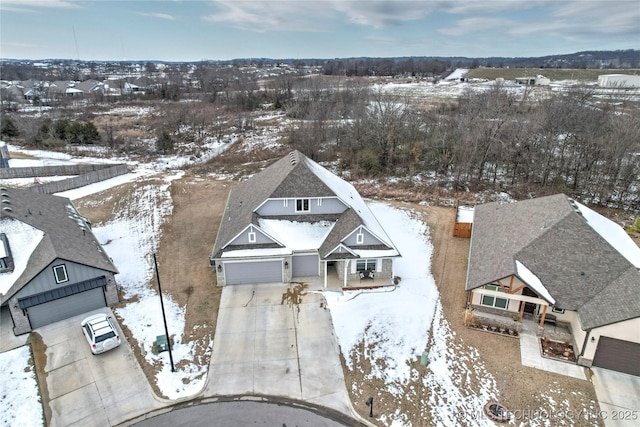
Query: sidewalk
[530, 355]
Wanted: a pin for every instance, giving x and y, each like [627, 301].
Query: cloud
[158, 15]
[569, 20]
[380, 14]
[263, 15]
[31, 5]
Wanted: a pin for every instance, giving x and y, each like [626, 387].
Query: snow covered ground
[20, 400]
[397, 325]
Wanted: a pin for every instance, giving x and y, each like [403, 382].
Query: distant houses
[619, 80]
[28, 91]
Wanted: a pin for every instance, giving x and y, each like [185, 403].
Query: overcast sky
[193, 30]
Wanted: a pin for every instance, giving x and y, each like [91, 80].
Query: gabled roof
[65, 234]
[295, 176]
[563, 244]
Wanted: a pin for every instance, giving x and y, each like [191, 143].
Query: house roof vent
[293, 158]
[7, 209]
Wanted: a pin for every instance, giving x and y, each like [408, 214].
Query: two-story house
[297, 219]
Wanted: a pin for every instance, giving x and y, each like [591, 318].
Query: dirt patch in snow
[39, 351]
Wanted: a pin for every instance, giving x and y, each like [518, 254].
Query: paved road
[245, 413]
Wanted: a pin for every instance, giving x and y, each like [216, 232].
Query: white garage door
[253, 272]
[63, 308]
[305, 265]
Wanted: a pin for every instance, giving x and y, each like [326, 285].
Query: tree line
[569, 142]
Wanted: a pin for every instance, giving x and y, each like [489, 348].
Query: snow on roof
[256, 252]
[465, 214]
[612, 233]
[374, 253]
[457, 74]
[297, 235]
[349, 195]
[23, 240]
[533, 281]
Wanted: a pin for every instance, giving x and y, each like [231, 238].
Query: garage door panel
[63, 308]
[305, 265]
[618, 355]
[253, 272]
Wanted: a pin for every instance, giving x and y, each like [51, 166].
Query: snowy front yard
[382, 333]
[21, 405]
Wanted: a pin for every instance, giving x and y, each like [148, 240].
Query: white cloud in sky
[31, 5]
[159, 15]
[263, 16]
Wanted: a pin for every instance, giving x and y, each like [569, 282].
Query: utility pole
[164, 318]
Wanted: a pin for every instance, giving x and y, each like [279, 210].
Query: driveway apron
[267, 342]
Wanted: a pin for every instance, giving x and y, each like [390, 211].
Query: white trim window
[360, 238]
[302, 205]
[60, 273]
[555, 309]
[493, 301]
[366, 264]
[252, 236]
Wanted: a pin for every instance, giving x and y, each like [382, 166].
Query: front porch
[335, 283]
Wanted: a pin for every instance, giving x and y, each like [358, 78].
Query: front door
[529, 307]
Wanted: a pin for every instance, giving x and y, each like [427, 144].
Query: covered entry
[237, 273]
[618, 355]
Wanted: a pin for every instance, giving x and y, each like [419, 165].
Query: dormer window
[302, 205]
[360, 238]
[252, 236]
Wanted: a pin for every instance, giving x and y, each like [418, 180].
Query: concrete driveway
[618, 396]
[263, 346]
[92, 390]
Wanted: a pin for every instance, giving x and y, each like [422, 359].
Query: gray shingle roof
[578, 267]
[66, 235]
[294, 175]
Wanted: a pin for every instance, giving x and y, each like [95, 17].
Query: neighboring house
[553, 256]
[297, 219]
[90, 87]
[51, 265]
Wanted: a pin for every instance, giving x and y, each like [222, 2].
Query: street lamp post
[164, 318]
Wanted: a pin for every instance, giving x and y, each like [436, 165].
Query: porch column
[325, 274]
[544, 313]
[522, 304]
[346, 263]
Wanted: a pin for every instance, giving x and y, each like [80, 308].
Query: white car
[100, 333]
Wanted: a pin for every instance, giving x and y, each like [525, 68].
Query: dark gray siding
[46, 280]
[276, 207]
